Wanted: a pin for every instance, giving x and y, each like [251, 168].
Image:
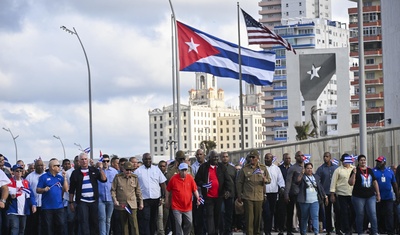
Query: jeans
[53, 221]
[148, 216]
[360, 206]
[17, 224]
[385, 216]
[182, 218]
[309, 210]
[346, 213]
[268, 211]
[105, 213]
[87, 215]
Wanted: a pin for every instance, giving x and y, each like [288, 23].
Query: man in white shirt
[152, 185]
[33, 223]
[276, 186]
[4, 180]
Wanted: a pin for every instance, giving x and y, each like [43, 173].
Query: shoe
[289, 233]
[280, 233]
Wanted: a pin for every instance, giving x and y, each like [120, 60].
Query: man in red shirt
[179, 193]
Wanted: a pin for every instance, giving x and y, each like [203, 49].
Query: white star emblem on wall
[314, 72]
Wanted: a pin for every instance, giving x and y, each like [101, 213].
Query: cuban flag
[274, 159]
[257, 171]
[25, 190]
[126, 207]
[335, 161]
[201, 52]
[87, 150]
[354, 158]
[306, 158]
[281, 162]
[201, 200]
[101, 157]
[58, 184]
[242, 160]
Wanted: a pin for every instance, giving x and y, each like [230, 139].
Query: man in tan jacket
[251, 188]
[127, 197]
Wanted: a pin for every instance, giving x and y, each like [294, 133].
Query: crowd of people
[208, 196]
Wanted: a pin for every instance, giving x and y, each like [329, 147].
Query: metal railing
[380, 141]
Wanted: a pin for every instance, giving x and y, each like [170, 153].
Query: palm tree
[302, 131]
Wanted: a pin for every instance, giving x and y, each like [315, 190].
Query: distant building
[206, 117]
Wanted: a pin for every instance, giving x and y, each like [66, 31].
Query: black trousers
[148, 216]
[53, 221]
[268, 211]
[87, 215]
[280, 214]
[290, 212]
[213, 209]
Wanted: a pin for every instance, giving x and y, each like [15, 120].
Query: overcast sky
[43, 73]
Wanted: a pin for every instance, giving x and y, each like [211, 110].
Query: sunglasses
[19, 171]
[106, 160]
[129, 169]
[252, 156]
[56, 165]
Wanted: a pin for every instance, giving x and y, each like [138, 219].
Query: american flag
[306, 158]
[87, 150]
[259, 34]
[335, 161]
[242, 160]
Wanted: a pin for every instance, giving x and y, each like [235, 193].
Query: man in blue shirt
[325, 172]
[106, 205]
[52, 185]
[384, 208]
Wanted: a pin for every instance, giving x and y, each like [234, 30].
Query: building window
[299, 4]
[160, 118]
[227, 130]
[370, 75]
[370, 61]
[221, 130]
[222, 146]
[246, 137]
[161, 133]
[234, 137]
[161, 125]
[334, 116]
[155, 126]
[169, 114]
[221, 138]
[287, 4]
[155, 133]
[371, 90]
[184, 130]
[155, 141]
[184, 114]
[162, 149]
[185, 146]
[155, 149]
[155, 118]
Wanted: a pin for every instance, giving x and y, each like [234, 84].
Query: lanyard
[365, 174]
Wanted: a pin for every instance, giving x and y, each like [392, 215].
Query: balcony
[280, 78]
[367, 39]
[366, 24]
[268, 133]
[280, 88]
[280, 108]
[376, 52]
[268, 115]
[267, 88]
[272, 124]
[354, 10]
[269, 3]
[280, 139]
[369, 110]
[280, 118]
[368, 67]
[378, 81]
[376, 96]
[270, 142]
[369, 124]
[267, 106]
[269, 11]
[268, 97]
[274, 19]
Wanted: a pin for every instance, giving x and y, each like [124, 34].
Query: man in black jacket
[84, 186]
[216, 184]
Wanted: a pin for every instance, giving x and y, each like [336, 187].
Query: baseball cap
[180, 154]
[183, 166]
[381, 159]
[254, 153]
[16, 166]
[128, 165]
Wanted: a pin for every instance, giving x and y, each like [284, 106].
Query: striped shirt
[87, 188]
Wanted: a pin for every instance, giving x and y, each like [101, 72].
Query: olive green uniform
[126, 191]
[251, 186]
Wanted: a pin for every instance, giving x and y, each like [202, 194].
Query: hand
[100, 164]
[281, 190]
[64, 174]
[326, 201]
[33, 209]
[354, 170]
[47, 189]
[207, 185]
[198, 202]
[116, 203]
[333, 199]
[141, 207]
[239, 200]
[378, 198]
[227, 194]
[2, 205]
[166, 204]
[72, 207]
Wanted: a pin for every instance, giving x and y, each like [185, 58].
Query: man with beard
[216, 184]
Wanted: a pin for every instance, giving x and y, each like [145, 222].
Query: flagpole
[240, 81]
[173, 79]
[361, 77]
[177, 118]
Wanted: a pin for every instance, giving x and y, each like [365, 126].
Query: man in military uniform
[180, 157]
[251, 188]
[127, 198]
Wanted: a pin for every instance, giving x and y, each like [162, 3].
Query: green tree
[208, 145]
[302, 131]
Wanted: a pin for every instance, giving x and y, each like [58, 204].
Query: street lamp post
[74, 32]
[58, 137]
[15, 143]
[79, 147]
[170, 143]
